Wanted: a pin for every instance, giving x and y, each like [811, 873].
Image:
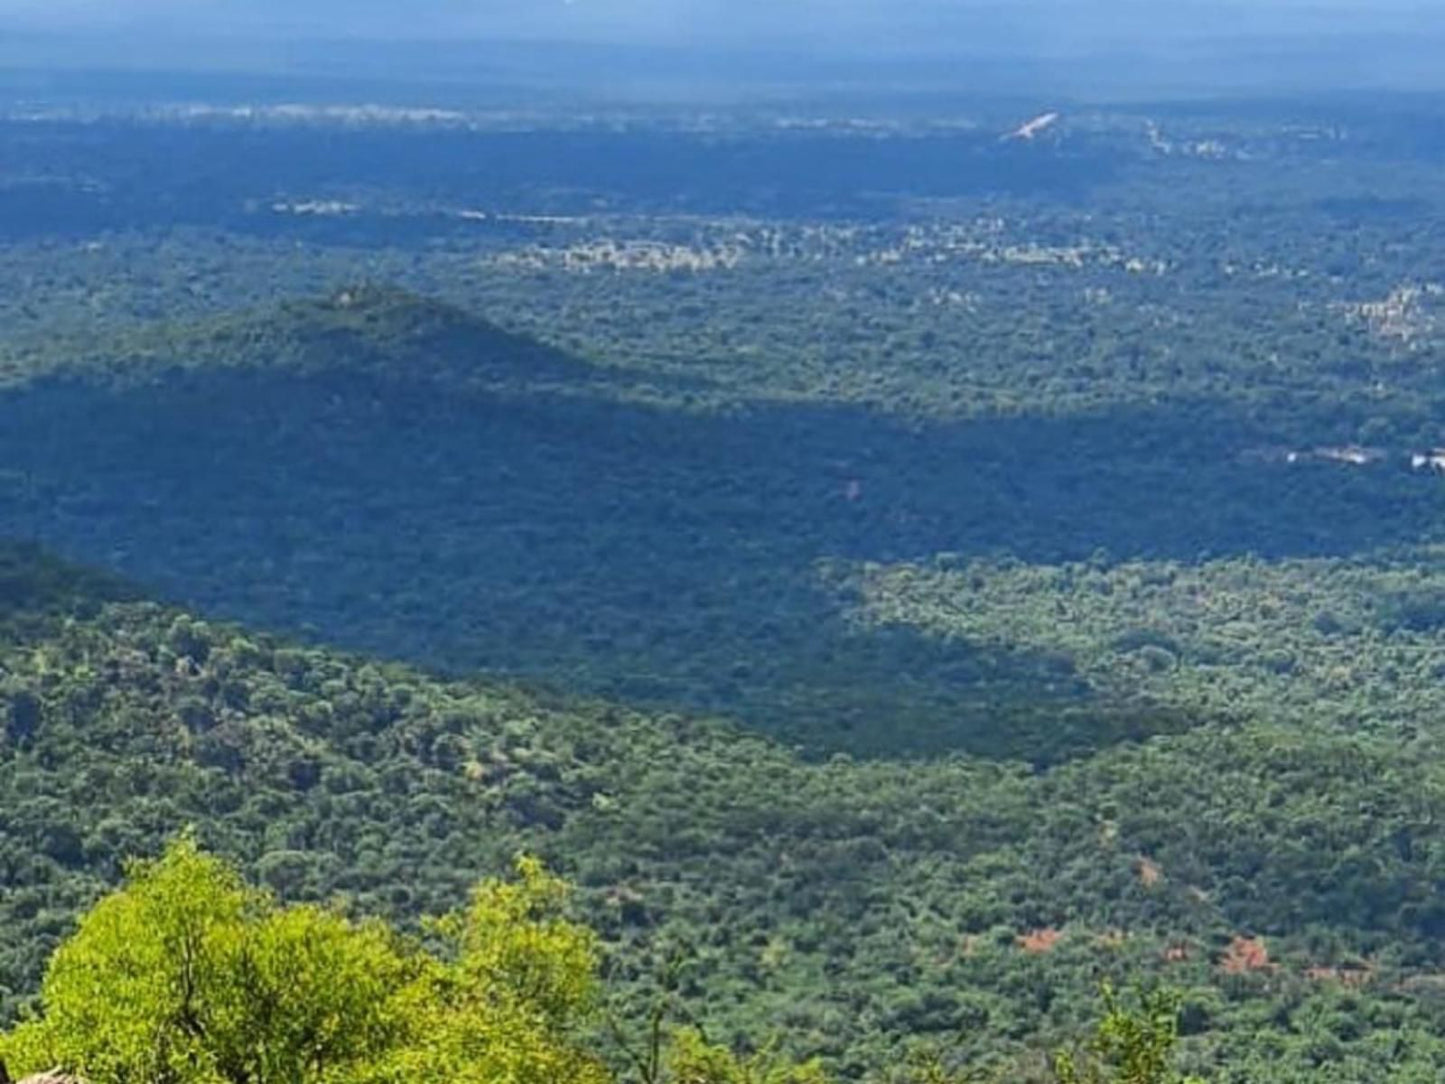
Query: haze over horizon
[854, 23]
[1200, 44]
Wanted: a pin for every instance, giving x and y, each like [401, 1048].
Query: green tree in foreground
[693, 1060]
[1130, 1046]
[187, 976]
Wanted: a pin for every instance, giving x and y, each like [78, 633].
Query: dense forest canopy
[186, 973]
[903, 573]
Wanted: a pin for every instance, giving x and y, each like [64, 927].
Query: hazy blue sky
[1084, 47]
[856, 21]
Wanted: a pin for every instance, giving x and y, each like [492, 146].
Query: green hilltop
[362, 330]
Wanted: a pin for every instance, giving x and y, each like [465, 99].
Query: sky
[856, 23]
[1162, 43]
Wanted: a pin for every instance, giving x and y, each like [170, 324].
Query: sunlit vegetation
[894, 602]
[951, 901]
[188, 975]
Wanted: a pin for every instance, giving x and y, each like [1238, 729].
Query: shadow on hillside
[653, 556]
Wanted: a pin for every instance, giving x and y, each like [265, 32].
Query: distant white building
[1433, 460]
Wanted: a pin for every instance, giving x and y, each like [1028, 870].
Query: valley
[900, 577]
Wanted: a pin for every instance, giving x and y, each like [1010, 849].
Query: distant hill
[363, 331]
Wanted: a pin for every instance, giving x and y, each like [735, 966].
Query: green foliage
[1132, 1044]
[848, 907]
[503, 1005]
[187, 975]
[693, 1060]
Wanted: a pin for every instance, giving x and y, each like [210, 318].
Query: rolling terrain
[899, 592]
[848, 906]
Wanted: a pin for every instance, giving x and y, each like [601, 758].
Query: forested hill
[361, 331]
[853, 907]
[388, 473]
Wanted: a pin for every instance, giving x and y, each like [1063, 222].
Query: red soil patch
[1245, 954]
[1039, 941]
